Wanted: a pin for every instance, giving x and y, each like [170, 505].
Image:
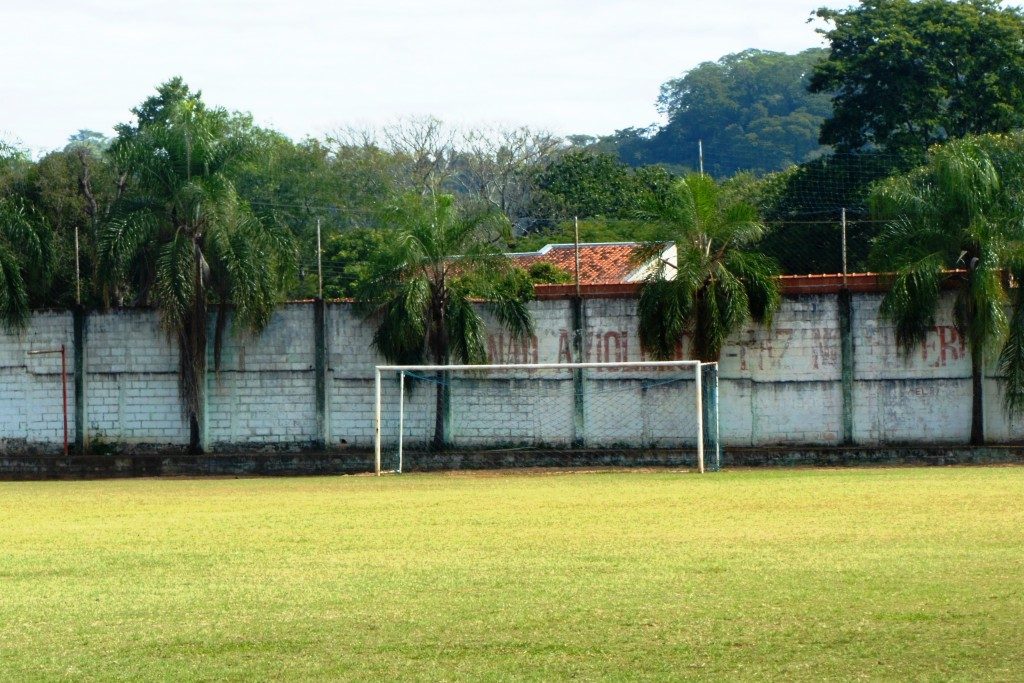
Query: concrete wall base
[37, 467]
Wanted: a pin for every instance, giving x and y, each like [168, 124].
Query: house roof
[600, 262]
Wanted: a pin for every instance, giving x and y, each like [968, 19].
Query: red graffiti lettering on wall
[615, 347]
[766, 350]
[512, 351]
[599, 346]
[565, 346]
[943, 345]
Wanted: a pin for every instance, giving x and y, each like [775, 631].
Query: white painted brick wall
[31, 402]
[132, 381]
[777, 386]
[265, 389]
[763, 373]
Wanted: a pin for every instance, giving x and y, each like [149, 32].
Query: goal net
[637, 413]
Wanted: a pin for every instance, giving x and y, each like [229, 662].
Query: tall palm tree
[26, 258]
[718, 282]
[952, 219]
[179, 238]
[437, 261]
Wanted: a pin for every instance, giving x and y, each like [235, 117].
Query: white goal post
[624, 407]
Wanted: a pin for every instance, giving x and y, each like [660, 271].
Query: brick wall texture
[778, 386]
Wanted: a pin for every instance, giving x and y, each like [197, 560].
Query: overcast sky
[307, 66]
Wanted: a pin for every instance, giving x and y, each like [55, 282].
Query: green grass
[799, 574]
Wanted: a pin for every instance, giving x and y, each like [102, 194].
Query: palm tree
[952, 219]
[179, 238]
[26, 258]
[437, 261]
[718, 282]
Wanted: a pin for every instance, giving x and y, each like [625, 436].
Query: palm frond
[985, 300]
[965, 176]
[452, 256]
[913, 300]
[401, 315]
[721, 306]
[759, 275]
[901, 196]
[13, 293]
[120, 240]
[508, 305]
[664, 311]
[26, 260]
[704, 198]
[906, 240]
[175, 289]
[466, 332]
[1011, 357]
[715, 286]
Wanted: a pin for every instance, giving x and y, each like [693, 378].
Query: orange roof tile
[601, 263]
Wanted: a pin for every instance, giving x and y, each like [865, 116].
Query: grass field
[801, 574]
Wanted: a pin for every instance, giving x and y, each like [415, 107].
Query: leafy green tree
[905, 74]
[291, 186]
[546, 273]
[751, 109]
[583, 183]
[72, 191]
[956, 217]
[602, 191]
[25, 260]
[91, 139]
[436, 260]
[348, 258]
[180, 238]
[719, 281]
[14, 168]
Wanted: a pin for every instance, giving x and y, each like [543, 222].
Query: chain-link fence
[822, 246]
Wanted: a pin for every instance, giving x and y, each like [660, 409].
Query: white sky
[307, 66]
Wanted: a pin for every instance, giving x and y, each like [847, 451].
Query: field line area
[802, 574]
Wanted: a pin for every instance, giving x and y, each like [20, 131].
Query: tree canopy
[718, 282]
[905, 74]
[752, 110]
[961, 214]
[438, 257]
[25, 259]
[179, 237]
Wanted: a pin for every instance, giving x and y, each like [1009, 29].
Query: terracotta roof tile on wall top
[791, 285]
[600, 263]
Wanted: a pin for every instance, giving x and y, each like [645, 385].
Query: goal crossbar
[403, 369]
[545, 366]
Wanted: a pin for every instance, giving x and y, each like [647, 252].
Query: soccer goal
[643, 412]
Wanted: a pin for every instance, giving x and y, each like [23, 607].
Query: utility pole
[579, 404]
[576, 242]
[700, 155]
[843, 219]
[319, 263]
[78, 272]
[846, 349]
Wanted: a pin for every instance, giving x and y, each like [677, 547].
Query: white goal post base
[622, 406]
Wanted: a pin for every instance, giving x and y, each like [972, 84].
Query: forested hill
[752, 110]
